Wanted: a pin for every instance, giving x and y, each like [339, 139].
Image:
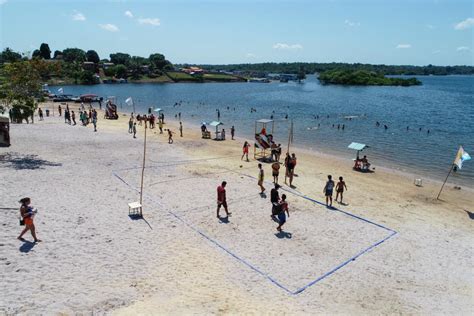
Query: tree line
[69, 64]
[311, 68]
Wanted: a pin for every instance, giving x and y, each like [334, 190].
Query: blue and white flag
[129, 101]
[461, 156]
[60, 90]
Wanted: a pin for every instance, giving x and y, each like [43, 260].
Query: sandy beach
[392, 249]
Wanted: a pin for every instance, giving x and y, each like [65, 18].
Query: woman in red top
[245, 150]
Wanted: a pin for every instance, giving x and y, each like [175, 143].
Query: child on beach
[170, 136]
[222, 199]
[340, 188]
[245, 151]
[27, 213]
[181, 129]
[261, 176]
[134, 130]
[281, 214]
[73, 117]
[328, 188]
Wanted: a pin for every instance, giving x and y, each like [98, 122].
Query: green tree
[9, 56]
[120, 71]
[58, 54]
[36, 54]
[158, 61]
[20, 89]
[91, 55]
[87, 77]
[74, 55]
[120, 58]
[301, 74]
[45, 52]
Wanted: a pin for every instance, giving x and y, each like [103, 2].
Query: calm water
[444, 105]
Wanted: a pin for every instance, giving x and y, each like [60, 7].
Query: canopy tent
[357, 146]
[216, 124]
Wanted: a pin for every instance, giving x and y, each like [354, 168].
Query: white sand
[94, 258]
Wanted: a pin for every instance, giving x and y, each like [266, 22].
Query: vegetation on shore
[310, 68]
[363, 78]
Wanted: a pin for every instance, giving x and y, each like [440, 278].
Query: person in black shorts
[222, 199]
[328, 188]
[275, 199]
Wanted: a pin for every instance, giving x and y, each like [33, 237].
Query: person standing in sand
[232, 132]
[40, 113]
[340, 188]
[73, 117]
[134, 130]
[170, 136]
[275, 199]
[275, 171]
[94, 119]
[60, 110]
[181, 129]
[328, 188]
[281, 214]
[130, 125]
[27, 213]
[222, 199]
[245, 151]
[261, 177]
[160, 126]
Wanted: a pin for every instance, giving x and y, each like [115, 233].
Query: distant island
[363, 78]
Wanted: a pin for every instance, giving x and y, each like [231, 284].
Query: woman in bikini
[245, 151]
[27, 213]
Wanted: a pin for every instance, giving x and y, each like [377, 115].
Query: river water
[442, 105]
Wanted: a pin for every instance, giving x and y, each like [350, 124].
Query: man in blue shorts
[328, 188]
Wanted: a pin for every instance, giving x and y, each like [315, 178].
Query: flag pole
[450, 170]
[143, 173]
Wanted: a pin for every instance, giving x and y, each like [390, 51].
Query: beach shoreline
[99, 260]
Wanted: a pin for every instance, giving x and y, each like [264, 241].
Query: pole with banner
[461, 156]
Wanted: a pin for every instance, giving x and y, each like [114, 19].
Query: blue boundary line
[275, 282]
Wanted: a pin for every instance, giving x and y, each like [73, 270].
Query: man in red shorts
[221, 199]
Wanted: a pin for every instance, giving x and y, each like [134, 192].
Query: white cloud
[351, 23]
[462, 49]
[109, 27]
[250, 55]
[78, 16]
[284, 46]
[129, 14]
[403, 46]
[3, 2]
[149, 21]
[467, 23]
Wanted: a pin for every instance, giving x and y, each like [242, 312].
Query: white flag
[129, 101]
[60, 90]
[461, 156]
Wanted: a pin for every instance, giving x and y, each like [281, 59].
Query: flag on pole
[129, 101]
[60, 90]
[461, 156]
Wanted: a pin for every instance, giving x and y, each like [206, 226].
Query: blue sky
[416, 32]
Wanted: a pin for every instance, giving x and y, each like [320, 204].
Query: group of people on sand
[85, 117]
[329, 188]
[150, 120]
[279, 205]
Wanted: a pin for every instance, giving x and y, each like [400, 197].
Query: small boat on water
[259, 80]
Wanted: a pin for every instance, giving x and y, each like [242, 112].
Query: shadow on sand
[283, 234]
[20, 162]
[27, 246]
[135, 217]
[470, 214]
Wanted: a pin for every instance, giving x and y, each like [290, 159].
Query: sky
[399, 32]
